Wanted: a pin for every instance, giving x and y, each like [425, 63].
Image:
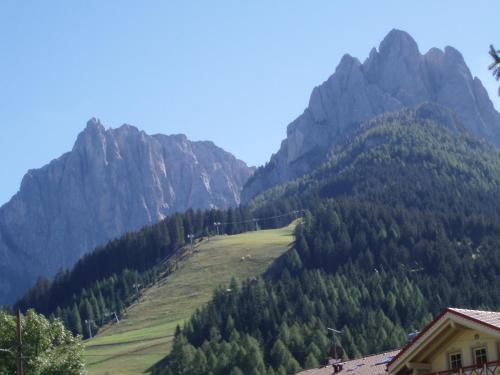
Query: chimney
[411, 336]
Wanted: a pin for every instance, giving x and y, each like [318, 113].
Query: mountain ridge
[410, 147]
[111, 182]
[395, 76]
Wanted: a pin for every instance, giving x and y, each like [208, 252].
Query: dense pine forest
[104, 282]
[373, 272]
[403, 221]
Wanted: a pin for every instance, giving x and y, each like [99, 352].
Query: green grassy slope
[144, 336]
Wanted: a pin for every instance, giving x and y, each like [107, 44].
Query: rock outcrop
[113, 181]
[396, 75]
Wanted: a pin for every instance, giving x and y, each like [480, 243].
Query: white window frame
[474, 350]
[461, 360]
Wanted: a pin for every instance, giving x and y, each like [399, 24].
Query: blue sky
[234, 72]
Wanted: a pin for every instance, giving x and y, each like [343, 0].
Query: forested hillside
[417, 158]
[403, 221]
[107, 280]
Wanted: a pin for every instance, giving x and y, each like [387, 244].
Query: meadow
[144, 335]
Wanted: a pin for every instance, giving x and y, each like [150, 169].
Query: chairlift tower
[136, 286]
[191, 238]
[113, 313]
[334, 332]
[217, 225]
[88, 322]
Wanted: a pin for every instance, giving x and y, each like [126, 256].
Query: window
[480, 356]
[455, 360]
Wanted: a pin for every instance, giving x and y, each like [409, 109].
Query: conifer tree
[236, 371]
[311, 361]
[495, 65]
[75, 321]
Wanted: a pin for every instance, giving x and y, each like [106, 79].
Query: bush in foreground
[48, 348]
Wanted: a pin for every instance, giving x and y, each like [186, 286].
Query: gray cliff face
[113, 181]
[396, 75]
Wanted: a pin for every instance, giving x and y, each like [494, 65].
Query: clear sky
[234, 72]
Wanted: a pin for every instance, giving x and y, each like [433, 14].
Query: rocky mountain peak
[399, 43]
[346, 64]
[453, 56]
[435, 55]
[128, 128]
[113, 181]
[93, 132]
[94, 125]
[395, 76]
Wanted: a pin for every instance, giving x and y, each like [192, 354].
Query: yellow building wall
[464, 343]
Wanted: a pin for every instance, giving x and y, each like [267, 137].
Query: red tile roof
[371, 365]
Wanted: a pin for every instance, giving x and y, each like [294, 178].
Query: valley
[378, 213]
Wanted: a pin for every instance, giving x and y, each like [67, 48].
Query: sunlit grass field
[145, 335]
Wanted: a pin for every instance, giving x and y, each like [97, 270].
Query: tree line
[373, 272]
[104, 282]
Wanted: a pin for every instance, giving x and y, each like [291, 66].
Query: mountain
[402, 221]
[397, 164]
[111, 182]
[395, 76]
[419, 158]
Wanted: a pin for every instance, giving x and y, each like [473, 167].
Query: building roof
[488, 319]
[377, 364]
[370, 365]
